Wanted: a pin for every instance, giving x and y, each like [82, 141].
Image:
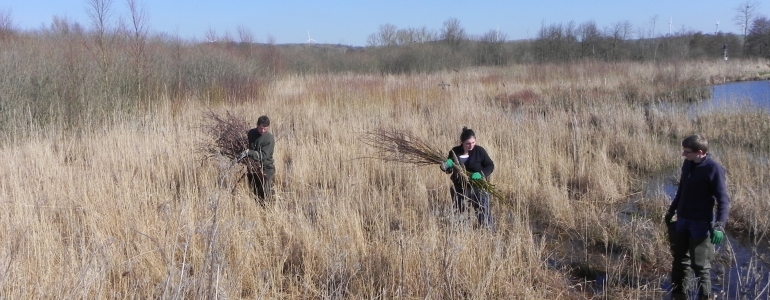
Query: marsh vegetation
[105, 191]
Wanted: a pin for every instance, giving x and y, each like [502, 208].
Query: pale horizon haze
[351, 22]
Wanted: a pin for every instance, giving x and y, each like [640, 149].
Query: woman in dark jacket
[475, 160]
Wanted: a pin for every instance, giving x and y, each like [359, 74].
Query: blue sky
[351, 22]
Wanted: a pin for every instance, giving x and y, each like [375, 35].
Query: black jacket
[478, 161]
[702, 188]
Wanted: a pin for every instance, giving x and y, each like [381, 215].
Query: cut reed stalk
[405, 147]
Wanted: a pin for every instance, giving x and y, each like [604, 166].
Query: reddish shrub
[516, 99]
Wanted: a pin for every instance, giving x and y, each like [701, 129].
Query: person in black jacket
[697, 227]
[475, 160]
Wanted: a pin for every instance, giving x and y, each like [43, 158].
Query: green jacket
[261, 149]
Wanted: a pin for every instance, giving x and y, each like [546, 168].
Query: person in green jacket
[260, 149]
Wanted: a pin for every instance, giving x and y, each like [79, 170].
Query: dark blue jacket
[701, 187]
[478, 161]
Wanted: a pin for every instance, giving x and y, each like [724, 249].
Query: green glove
[476, 176]
[447, 165]
[717, 236]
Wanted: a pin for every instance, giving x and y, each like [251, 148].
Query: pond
[747, 275]
[733, 96]
[754, 93]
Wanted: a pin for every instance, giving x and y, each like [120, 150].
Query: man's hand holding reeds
[476, 176]
[669, 216]
[448, 164]
[243, 154]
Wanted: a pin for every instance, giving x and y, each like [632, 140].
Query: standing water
[755, 93]
[744, 273]
[740, 269]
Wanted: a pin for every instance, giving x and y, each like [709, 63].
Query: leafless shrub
[513, 100]
[6, 25]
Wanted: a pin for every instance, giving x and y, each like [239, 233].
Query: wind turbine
[669, 25]
[309, 39]
[717, 32]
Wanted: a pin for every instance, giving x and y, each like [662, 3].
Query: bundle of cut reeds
[228, 137]
[405, 147]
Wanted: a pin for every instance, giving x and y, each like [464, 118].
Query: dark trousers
[692, 252]
[478, 199]
[261, 186]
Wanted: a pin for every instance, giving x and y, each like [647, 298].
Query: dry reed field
[134, 208]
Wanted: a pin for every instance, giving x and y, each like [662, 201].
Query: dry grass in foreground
[134, 211]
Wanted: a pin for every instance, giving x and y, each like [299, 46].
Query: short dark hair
[263, 121]
[696, 143]
[467, 134]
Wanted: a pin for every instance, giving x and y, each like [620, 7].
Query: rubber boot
[702, 253]
[678, 296]
[680, 265]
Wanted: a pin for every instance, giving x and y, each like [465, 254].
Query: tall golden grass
[132, 210]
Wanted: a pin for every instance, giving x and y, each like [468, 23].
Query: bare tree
[227, 38]
[60, 25]
[271, 57]
[453, 33]
[139, 19]
[389, 35]
[588, 31]
[371, 40]
[6, 24]
[210, 35]
[619, 33]
[244, 35]
[64, 26]
[553, 42]
[424, 35]
[653, 23]
[178, 49]
[490, 50]
[570, 40]
[138, 39]
[622, 30]
[385, 37]
[406, 36]
[648, 42]
[100, 14]
[589, 35]
[746, 14]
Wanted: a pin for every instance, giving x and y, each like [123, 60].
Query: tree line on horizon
[394, 50]
[67, 69]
